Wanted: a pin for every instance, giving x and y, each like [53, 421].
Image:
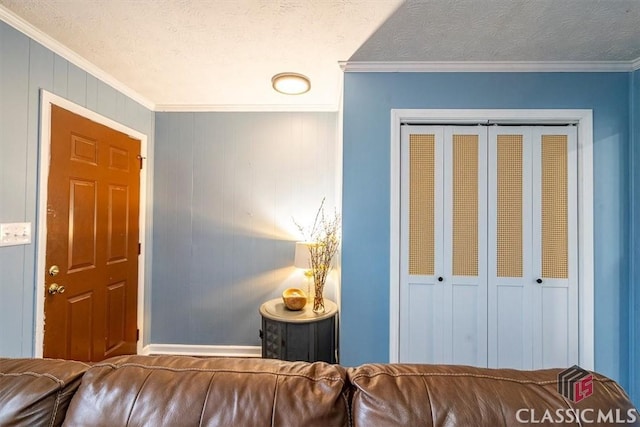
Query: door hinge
[137, 334]
[139, 248]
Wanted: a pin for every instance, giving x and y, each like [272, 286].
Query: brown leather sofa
[186, 391]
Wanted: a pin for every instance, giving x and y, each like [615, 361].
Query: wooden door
[92, 240]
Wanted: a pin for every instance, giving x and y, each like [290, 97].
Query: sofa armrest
[37, 392]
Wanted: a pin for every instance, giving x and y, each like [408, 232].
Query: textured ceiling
[212, 52]
[222, 53]
[508, 30]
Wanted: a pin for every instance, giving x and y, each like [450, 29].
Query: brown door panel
[92, 235]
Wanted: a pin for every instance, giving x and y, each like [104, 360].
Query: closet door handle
[440, 278]
[538, 280]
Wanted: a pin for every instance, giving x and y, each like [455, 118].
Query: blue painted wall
[25, 68]
[227, 188]
[368, 99]
[634, 327]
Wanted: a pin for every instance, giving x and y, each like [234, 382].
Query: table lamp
[302, 259]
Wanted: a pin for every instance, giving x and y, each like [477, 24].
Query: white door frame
[584, 121]
[46, 100]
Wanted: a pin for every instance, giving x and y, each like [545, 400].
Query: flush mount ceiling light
[291, 83]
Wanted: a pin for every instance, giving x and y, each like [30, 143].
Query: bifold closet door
[533, 283]
[443, 283]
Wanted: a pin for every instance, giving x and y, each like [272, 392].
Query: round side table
[298, 335]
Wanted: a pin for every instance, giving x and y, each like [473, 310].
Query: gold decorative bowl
[294, 298]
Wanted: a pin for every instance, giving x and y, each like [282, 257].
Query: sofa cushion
[37, 392]
[187, 391]
[439, 395]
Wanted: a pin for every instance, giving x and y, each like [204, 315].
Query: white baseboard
[203, 350]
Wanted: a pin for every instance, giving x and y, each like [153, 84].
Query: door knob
[440, 279]
[538, 280]
[54, 270]
[54, 288]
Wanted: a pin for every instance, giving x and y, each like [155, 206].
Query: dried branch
[324, 235]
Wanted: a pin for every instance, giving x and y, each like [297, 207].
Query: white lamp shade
[302, 257]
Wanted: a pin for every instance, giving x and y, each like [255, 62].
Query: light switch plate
[15, 233]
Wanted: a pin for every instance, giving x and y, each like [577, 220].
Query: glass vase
[318, 298]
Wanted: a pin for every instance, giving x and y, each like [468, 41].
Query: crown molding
[245, 108]
[486, 66]
[636, 64]
[55, 46]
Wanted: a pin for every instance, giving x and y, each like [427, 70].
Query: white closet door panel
[489, 246]
[510, 348]
[510, 248]
[468, 345]
[555, 320]
[555, 338]
[422, 301]
[465, 258]
[424, 331]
